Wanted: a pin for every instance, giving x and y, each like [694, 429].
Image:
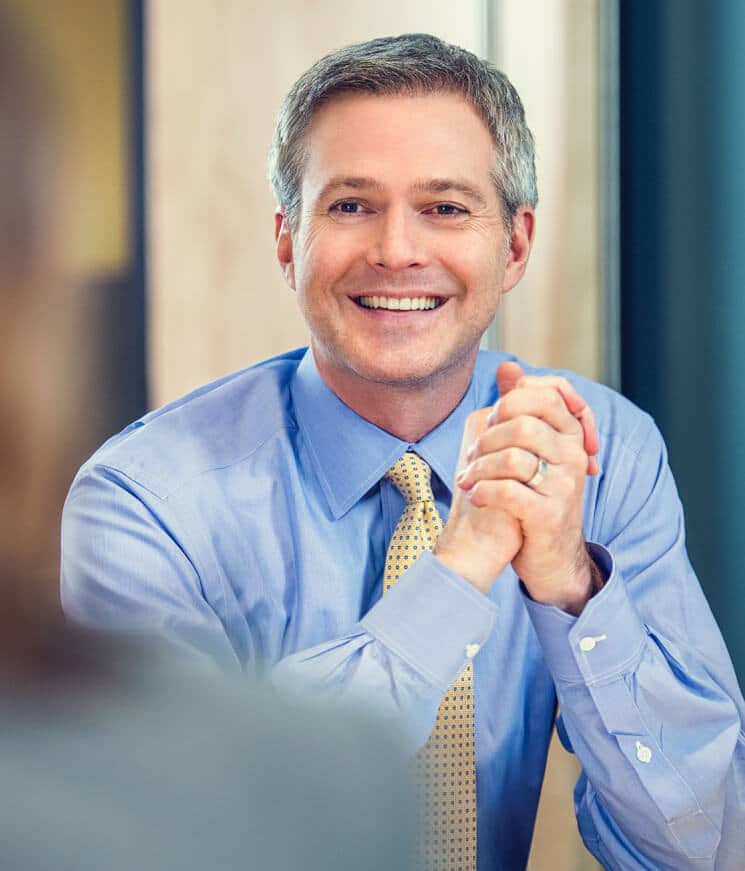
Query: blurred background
[636, 276]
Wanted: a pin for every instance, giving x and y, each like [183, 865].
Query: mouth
[403, 303]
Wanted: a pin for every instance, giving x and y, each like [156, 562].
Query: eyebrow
[444, 185]
[430, 186]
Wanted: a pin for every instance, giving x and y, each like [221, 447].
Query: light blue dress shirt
[249, 521]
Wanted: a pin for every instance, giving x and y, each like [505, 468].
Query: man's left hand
[539, 417]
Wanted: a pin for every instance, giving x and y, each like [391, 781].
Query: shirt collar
[350, 454]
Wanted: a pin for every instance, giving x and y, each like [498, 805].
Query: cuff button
[643, 753]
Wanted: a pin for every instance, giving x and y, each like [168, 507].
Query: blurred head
[412, 64]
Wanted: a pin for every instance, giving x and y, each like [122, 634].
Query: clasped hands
[496, 518]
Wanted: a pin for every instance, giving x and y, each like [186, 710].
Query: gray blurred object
[144, 765]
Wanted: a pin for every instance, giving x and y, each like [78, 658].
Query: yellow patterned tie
[447, 765]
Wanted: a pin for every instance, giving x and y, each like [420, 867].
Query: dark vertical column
[683, 268]
[137, 215]
[113, 301]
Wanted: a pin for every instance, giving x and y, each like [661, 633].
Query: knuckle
[553, 397]
[478, 468]
[476, 494]
[578, 459]
[508, 460]
[522, 427]
[506, 406]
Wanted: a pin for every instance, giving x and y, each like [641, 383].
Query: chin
[406, 373]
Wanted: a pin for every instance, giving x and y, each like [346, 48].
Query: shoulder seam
[167, 493]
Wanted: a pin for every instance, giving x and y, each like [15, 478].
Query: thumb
[508, 374]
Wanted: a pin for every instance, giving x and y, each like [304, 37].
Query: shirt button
[472, 650]
[587, 643]
[643, 753]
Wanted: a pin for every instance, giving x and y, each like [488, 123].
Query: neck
[407, 411]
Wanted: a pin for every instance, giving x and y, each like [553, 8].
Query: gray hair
[412, 64]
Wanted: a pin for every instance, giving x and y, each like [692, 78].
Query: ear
[283, 238]
[521, 241]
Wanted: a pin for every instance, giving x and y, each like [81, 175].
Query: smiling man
[396, 520]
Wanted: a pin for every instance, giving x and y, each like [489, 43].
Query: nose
[397, 243]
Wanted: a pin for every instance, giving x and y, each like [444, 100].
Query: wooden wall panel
[550, 50]
[217, 74]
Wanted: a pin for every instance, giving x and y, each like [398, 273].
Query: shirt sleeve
[648, 697]
[128, 564]
[407, 651]
[126, 567]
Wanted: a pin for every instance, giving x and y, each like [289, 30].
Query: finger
[513, 463]
[574, 403]
[507, 495]
[475, 426]
[508, 375]
[536, 399]
[535, 436]
[539, 511]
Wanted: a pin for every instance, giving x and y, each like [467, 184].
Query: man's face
[399, 209]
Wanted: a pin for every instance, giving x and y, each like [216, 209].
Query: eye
[347, 207]
[447, 210]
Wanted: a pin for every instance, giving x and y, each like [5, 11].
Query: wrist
[579, 592]
[580, 585]
[480, 573]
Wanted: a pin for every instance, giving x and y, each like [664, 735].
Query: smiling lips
[405, 303]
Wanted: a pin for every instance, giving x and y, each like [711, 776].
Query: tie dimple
[446, 764]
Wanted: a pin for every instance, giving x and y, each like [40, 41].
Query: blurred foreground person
[113, 755]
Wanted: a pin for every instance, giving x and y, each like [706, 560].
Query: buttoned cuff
[433, 619]
[606, 639]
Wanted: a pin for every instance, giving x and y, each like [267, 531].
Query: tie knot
[411, 476]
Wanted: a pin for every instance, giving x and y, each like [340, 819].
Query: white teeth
[407, 303]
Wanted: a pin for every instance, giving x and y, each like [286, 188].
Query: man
[281, 518]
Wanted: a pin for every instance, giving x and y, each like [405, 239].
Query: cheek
[325, 259]
[474, 264]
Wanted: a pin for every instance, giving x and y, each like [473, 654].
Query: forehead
[394, 137]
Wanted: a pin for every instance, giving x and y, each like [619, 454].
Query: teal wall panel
[683, 269]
